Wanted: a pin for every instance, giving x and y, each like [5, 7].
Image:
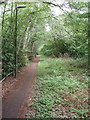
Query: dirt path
[15, 101]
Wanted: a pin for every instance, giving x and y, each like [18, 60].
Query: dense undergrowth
[61, 89]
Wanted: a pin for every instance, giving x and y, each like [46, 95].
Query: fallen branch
[6, 77]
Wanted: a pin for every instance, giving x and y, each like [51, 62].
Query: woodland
[41, 31]
[58, 32]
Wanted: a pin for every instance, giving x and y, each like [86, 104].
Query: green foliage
[60, 88]
[55, 48]
[23, 59]
[27, 33]
[67, 33]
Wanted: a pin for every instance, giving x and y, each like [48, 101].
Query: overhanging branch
[50, 3]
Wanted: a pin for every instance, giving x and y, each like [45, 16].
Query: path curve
[14, 102]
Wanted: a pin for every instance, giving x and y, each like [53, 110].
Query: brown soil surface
[18, 91]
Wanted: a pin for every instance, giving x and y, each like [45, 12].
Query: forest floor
[61, 90]
[17, 91]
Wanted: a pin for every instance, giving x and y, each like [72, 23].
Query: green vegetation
[21, 42]
[62, 86]
[58, 31]
[68, 33]
[41, 30]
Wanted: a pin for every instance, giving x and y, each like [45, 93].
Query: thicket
[69, 33]
[27, 20]
[40, 31]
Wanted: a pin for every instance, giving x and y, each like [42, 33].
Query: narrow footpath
[14, 103]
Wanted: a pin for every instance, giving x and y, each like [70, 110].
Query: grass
[62, 86]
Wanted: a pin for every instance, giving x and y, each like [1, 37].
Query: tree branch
[60, 6]
[50, 3]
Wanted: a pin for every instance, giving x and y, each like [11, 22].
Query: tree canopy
[43, 27]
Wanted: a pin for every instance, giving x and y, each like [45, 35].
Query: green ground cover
[61, 89]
